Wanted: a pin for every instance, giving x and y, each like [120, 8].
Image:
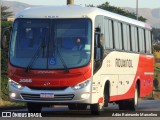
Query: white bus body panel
[120, 78]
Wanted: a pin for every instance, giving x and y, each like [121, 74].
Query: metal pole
[71, 2]
[137, 9]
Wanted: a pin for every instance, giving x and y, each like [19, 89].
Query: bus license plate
[47, 95]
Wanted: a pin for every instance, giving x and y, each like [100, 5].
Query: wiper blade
[36, 55]
[63, 62]
[34, 58]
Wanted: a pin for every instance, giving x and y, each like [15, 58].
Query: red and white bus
[79, 56]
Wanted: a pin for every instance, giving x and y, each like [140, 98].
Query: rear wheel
[34, 107]
[130, 104]
[133, 104]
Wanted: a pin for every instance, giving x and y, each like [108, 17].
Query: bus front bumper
[66, 96]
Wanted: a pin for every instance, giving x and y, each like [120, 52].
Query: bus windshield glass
[50, 44]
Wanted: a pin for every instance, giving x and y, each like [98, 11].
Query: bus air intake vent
[48, 88]
[59, 97]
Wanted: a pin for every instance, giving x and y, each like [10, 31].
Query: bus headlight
[15, 84]
[81, 85]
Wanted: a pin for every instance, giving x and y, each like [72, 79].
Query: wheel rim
[136, 97]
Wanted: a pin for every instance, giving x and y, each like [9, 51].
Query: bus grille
[48, 88]
[61, 97]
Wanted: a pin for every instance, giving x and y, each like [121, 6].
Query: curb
[12, 107]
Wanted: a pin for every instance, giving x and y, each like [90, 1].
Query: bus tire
[133, 104]
[96, 108]
[130, 104]
[34, 107]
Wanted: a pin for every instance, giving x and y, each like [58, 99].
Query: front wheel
[96, 108]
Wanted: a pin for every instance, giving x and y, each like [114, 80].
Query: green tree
[5, 25]
[5, 13]
[157, 47]
[119, 10]
[156, 34]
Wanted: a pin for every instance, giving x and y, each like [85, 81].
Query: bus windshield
[50, 44]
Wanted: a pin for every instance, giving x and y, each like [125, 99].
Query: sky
[118, 3]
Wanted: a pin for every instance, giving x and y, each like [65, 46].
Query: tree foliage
[4, 58]
[156, 38]
[156, 47]
[119, 10]
[5, 45]
[5, 13]
[156, 34]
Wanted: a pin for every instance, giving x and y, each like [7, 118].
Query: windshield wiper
[36, 55]
[34, 58]
[63, 62]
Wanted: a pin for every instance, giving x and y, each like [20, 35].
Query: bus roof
[74, 11]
